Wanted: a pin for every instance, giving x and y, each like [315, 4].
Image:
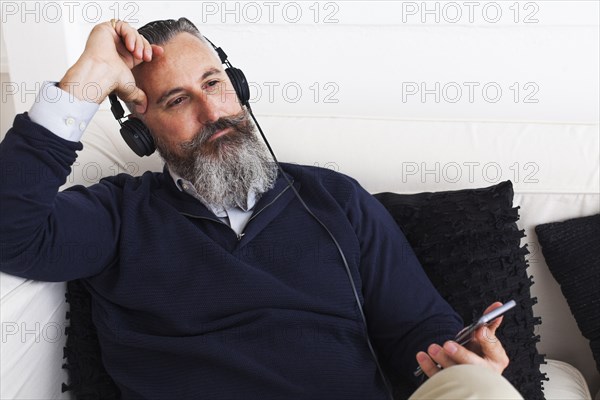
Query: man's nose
[209, 109]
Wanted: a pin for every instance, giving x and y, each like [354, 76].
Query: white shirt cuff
[62, 113]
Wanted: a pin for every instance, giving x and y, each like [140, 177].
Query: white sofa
[33, 313]
[353, 117]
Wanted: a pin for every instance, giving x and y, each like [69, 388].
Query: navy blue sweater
[186, 310]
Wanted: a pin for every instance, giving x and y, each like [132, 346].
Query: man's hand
[484, 350]
[112, 50]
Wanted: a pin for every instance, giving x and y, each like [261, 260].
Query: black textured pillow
[469, 245]
[88, 380]
[572, 252]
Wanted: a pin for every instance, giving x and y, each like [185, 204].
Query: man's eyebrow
[206, 74]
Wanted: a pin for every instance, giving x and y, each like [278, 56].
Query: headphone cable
[339, 249]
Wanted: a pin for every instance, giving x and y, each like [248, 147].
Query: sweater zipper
[238, 235]
[271, 202]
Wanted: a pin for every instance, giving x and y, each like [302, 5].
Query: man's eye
[212, 86]
[175, 102]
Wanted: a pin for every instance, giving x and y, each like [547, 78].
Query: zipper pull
[239, 236]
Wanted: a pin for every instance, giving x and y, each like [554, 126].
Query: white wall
[7, 111]
[509, 62]
[359, 58]
[533, 63]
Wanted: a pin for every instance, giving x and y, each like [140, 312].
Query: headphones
[137, 135]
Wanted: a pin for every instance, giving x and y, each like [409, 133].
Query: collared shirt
[61, 113]
[236, 217]
[67, 117]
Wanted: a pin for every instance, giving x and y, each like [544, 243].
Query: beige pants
[466, 382]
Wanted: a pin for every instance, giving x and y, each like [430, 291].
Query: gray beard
[225, 170]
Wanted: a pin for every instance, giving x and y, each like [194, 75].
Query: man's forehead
[184, 54]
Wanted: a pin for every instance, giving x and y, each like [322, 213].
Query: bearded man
[211, 279]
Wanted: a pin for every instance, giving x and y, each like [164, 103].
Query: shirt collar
[220, 211]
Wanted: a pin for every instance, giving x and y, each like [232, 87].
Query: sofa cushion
[469, 245]
[565, 382]
[572, 251]
[88, 379]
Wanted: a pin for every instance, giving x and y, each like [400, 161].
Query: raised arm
[112, 50]
[44, 234]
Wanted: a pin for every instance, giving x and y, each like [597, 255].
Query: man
[211, 279]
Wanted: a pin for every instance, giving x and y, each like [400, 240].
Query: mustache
[238, 122]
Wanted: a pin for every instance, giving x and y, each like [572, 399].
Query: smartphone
[466, 334]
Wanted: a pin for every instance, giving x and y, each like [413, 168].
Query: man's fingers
[498, 321]
[141, 102]
[138, 51]
[157, 50]
[487, 351]
[147, 51]
[135, 49]
[435, 359]
[492, 307]
[492, 349]
[134, 43]
[429, 367]
[460, 355]
[127, 34]
[135, 95]
[440, 356]
[493, 354]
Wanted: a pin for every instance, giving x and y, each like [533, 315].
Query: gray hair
[161, 31]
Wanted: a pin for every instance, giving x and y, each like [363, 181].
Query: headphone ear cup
[240, 84]
[137, 136]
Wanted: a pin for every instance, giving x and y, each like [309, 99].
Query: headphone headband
[220, 52]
